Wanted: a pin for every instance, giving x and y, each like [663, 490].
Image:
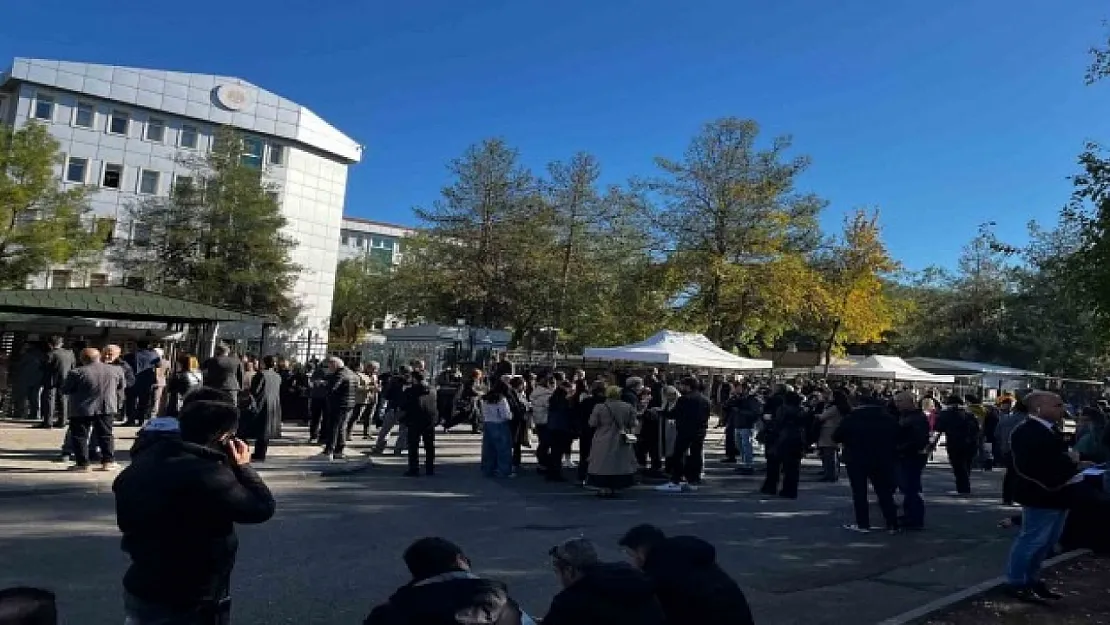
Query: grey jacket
[94, 389]
[1005, 427]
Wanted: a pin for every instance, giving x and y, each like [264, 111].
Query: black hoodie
[607, 594]
[691, 587]
[452, 599]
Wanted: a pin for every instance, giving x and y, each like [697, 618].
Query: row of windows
[149, 181]
[65, 279]
[372, 242]
[119, 122]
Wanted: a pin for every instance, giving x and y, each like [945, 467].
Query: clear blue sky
[944, 114]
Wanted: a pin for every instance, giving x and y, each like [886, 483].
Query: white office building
[122, 130]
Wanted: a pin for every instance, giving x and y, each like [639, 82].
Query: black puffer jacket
[607, 594]
[451, 599]
[177, 505]
[692, 588]
[342, 390]
[419, 407]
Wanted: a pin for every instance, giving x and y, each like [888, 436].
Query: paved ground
[333, 549]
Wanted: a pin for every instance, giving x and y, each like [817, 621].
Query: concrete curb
[918, 613]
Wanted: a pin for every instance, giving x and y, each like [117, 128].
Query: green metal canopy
[113, 302]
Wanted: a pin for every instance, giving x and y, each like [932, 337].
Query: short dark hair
[953, 400]
[269, 362]
[418, 376]
[203, 421]
[431, 556]
[207, 393]
[691, 383]
[57, 341]
[28, 606]
[642, 536]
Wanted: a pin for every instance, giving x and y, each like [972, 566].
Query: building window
[77, 169]
[188, 137]
[84, 115]
[182, 182]
[44, 107]
[98, 279]
[148, 182]
[119, 122]
[134, 282]
[113, 176]
[275, 196]
[155, 130]
[59, 279]
[140, 234]
[252, 152]
[346, 241]
[105, 229]
[277, 154]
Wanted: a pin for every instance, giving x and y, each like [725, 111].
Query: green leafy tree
[362, 297]
[41, 224]
[732, 216]
[218, 238]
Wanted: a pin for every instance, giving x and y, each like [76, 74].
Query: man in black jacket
[690, 585]
[342, 385]
[443, 591]
[177, 505]
[961, 440]
[1047, 479]
[869, 435]
[596, 593]
[59, 362]
[913, 453]
[691, 412]
[419, 418]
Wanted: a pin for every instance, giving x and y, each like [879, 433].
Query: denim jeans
[497, 449]
[1040, 531]
[909, 482]
[744, 444]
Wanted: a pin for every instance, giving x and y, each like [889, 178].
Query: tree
[1100, 63]
[850, 302]
[218, 238]
[733, 218]
[362, 297]
[1088, 216]
[41, 224]
[486, 252]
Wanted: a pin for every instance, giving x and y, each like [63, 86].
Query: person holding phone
[177, 505]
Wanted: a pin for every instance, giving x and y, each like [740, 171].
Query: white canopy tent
[678, 348]
[888, 368]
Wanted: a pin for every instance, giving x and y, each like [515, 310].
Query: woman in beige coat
[612, 459]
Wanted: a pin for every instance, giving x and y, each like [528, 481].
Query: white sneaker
[852, 527]
[110, 466]
[669, 487]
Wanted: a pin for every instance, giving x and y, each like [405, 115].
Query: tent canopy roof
[968, 367]
[890, 368]
[677, 348]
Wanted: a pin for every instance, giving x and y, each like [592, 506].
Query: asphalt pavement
[333, 549]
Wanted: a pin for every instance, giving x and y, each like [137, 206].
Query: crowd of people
[629, 428]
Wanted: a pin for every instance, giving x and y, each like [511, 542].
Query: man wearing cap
[444, 591]
[597, 593]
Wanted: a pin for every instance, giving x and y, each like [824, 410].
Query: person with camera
[177, 505]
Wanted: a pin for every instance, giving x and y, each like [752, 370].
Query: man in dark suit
[59, 362]
[342, 390]
[1048, 478]
[94, 389]
[224, 371]
[869, 435]
[266, 393]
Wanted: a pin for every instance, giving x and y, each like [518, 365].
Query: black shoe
[1024, 594]
[411, 474]
[1044, 592]
[257, 459]
[744, 471]
[728, 461]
